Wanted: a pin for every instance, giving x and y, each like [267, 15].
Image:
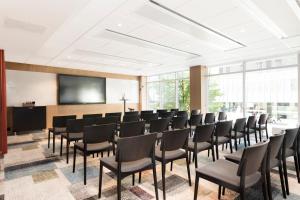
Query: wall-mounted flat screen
[81, 89]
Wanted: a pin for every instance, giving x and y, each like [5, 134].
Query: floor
[32, 171]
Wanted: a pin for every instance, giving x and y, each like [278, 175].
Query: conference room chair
[109, 120]
[59, 126]
[195, 112]
[174, 110]
[90, 121]
[160, 111]
[145, 112]
[114, 114]
[274, 159]
[194, 121]
[239, 131]
[131, 113]
[158, 126]
[250, 128]
[96, 139]
[182, 114]
[133, 154]
[129, 129]
[74, 133]
[262, 125]
[178, 122]
[84, 116]
[222, 135]
[148, 118]
[170, 114]
[201, 141]
[289, 149]
[173, 147]
[131, 118]
[237, 177]
[222, 116]
[209, 118]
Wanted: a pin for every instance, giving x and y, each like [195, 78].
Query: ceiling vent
[24, 26]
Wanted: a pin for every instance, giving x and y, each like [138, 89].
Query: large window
[169, 91]
[255, 87]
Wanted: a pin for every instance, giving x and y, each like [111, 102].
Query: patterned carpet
[33, 172]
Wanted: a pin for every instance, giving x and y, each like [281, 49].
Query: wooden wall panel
[198, 88]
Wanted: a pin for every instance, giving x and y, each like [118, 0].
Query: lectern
[124, 103]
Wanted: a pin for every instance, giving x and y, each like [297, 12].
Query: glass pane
[168, 98]
[274, 92]
[225, 93]
[184, 94]
[170, 76]
[152, 78]
[183, 74]
[153, 95]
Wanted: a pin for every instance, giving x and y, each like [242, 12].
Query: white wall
[40, 87]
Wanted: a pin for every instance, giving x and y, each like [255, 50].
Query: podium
[124, 103]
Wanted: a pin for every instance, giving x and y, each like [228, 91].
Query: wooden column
[3, 113]
[198, 82]
[142, 92]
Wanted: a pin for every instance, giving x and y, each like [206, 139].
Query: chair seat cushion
[274, 163]
[126, 166]
[235, 157]
[58, 130]
[94, 146]
[226, 171]
[238, 134]
[169, 154]
[221, 139]
[289, 152]
[73, 136]
[200, 146]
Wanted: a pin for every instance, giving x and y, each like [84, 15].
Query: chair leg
[140, 177]
[196, 186]
[260, 136]
[133, 178]
[248, 138]
[255, 137]
[269, 184]
[48, 139]
[217, 151]
[119, 187]
[297, 167]
[213, 153]
[53, 141]
[245, 141]
[108, 152]
[61, 145]
[190, 155]
[223, 147]
[230, 145]
[267, 133]
[155, 181]
[282, 181]
[101, 154]
[223, 191]
[196, 160]
[264, 188]
[171, 167]
[285, 177]
[74, 159]
[219, 192]
[188, 169]
[235, 144]
[67, 148]
[163, 173]
[100, 180]
[242, 194]
[84, 167]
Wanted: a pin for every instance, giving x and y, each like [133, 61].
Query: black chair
[174, 110]
[114, 114]
[262, 125]
[202, 140]
[209, 118]
[131, 113]
[168, 114]
[74, 133]
[250, 128]
[289, 148]
[237, 177]
[160, 111]
[158, 126]
[91, 116]
[195, 120]
[170, 150]
[222, 116]
[178, 122]
[59, 126]
[134, 154]
[96, 139]
[109, 120]
[274, 159]
[222, 135]
[239, 131]
[149, 117]
[182, 114]
[129, 129]
[145, 112]
[89, 121]
[195, 112]
[131, 118]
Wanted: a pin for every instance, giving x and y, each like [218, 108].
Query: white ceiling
[141, 37]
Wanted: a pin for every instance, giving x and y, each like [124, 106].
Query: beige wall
[198, 88]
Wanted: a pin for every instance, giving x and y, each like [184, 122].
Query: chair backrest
[75, 125]
[135, 148]
[91, 116]
[240, 125]
[114, 114]
[290, 139]
[131, 113]
[274, 148]
[131, 118]
[179, 122]
[223, 128]
[182, 114]
[209, 118]
[129, 129]
[91, 121]
[263, 118]
[145, 112]
[195, 120]
[159, 125]
[252, 158]
[195, 112]
[61, 121]
[204, 133]
[168, 114]
[159, 111]
[149, 117]
[108, 120]
[99, 133]
[222, 116]
[174, 110]
[174, 140]
[251, 122]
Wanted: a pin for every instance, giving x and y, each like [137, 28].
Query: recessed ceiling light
[119, 25]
